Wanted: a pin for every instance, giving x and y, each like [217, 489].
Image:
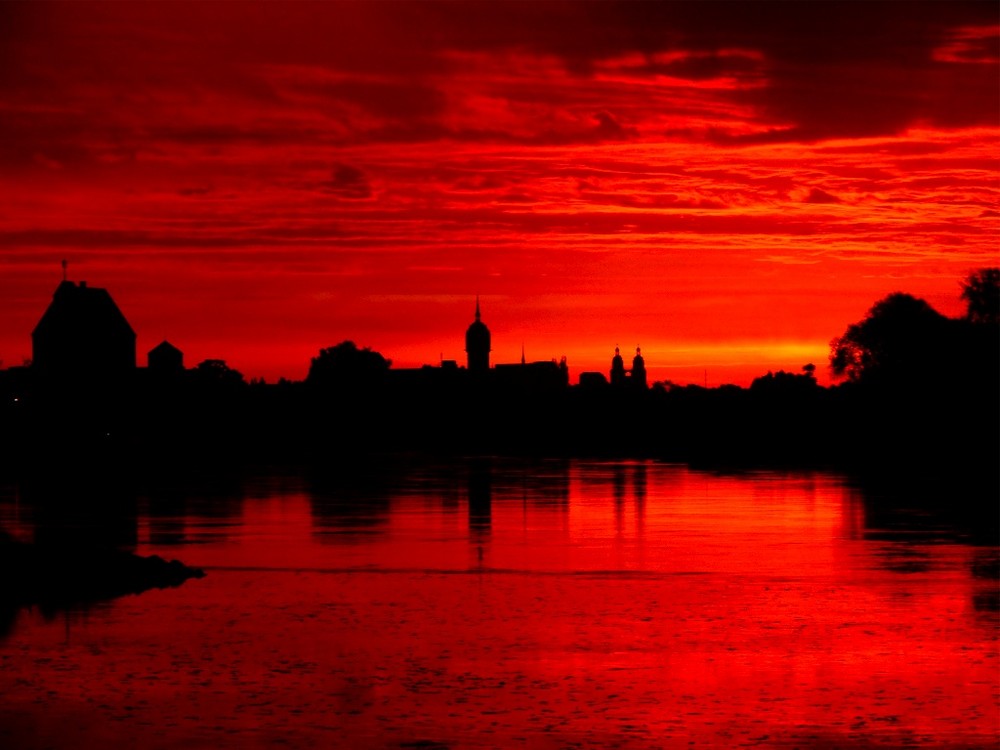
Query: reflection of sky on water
[532, 514]
[498, 602]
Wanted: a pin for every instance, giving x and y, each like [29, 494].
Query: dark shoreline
[59, 577]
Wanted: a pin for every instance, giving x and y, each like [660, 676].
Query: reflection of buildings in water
[480, 487]
[639, 488]
[852, 514]
[167, 524]
[451, 497]
[618, 493]
[539, 488]
[75, 544]
[176, 505]
[541, 483]
[104, 508]
[77, 509]
[345, 503]
[529, 494]
[911, 529]
[985, 568]
[629, 482]
[618, 483]
[480, 497]
[355, 503]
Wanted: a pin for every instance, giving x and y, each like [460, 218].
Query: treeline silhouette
[920, 397]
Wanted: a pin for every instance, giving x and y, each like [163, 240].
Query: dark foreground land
[896, 431]
[921, 400]
[58, 576]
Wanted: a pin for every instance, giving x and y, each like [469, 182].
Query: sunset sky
[726, 185]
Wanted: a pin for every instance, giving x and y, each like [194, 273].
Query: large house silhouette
[83, 336]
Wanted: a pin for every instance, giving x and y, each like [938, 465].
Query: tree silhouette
[347, 366]
[981, 292]
[217, 372]
[785, 383]
[900, 339]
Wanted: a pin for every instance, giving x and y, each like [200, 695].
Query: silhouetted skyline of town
[83, 334]
[914, 379]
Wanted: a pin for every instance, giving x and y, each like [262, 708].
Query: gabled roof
[165, 346]
[82, 309]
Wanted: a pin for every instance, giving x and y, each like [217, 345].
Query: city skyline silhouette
[910, 378]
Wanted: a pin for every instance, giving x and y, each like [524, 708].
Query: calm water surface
[508, 604]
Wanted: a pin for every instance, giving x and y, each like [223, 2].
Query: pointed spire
[477, 307]
[65, 263]
[522, 352]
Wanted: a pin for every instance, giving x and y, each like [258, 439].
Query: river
[500, 603]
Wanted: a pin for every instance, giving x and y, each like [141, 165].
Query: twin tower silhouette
[478, 346]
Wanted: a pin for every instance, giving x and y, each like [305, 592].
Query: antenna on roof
[522, 352]
[65, 263]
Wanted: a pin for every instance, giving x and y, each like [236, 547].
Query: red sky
[726, 185]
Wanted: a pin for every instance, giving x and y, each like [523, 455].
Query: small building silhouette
[82, 336]
[477, 344]
[165, 359]
[533, 377]
[593, 380]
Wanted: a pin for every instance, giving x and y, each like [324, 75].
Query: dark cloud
[391, 100]
[805, 71]
[477, 183]
[196, 191]
[115, 240]
[820, 196]
[980, 45]
[127, 240]
[741, 65]
[832, 69]
[608, 128]
[347, 182]
[709, 66]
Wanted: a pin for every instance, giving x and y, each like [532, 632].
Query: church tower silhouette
[638, 375]
[617, 369]
[477, 344]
